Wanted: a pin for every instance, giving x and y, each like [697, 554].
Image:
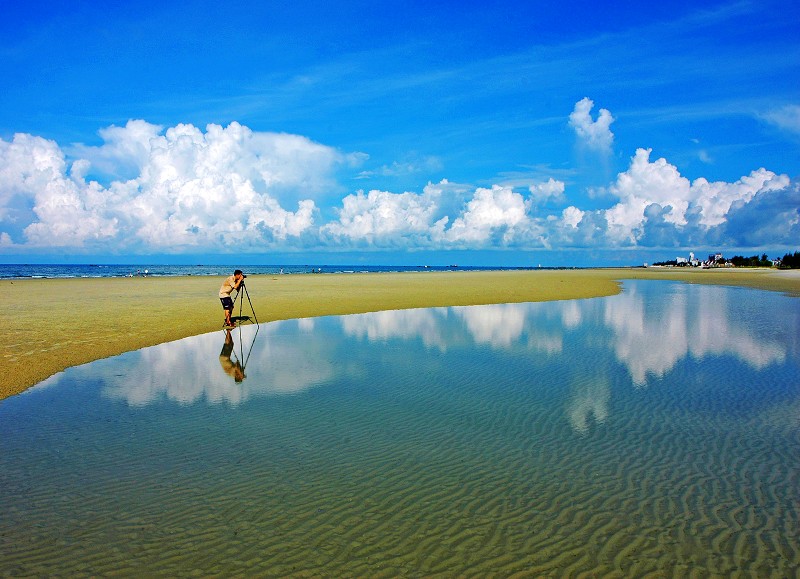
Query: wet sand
[52, 324]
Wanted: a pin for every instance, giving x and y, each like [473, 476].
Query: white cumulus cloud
[182, 188]
[551, 189]
[68, 212]
[572, 216]
[498, 210]
[380, 215]
[594, 134]
[656, 191]
[150, 189]
[443, 215]
[124, 152]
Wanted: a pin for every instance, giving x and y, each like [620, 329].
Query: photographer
[231, 283]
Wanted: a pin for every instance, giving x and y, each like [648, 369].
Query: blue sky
[511, 133]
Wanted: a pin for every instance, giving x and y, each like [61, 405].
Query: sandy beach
[52, 324]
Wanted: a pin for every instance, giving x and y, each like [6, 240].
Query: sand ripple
[474, 473]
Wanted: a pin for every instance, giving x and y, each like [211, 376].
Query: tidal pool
[656, 431]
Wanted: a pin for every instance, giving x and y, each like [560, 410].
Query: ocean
[45, 271]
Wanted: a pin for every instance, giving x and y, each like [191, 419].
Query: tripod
[240, 318]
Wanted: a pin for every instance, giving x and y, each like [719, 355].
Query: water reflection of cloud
[188, 371]
[293, 363]
[424, 324]
[588, 399]
[571, 313]
[546, 343]
[306, 324]
[648, 328]
[652, 335]
[499, 325]
[178, 371]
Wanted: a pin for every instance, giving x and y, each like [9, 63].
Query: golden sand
[51, 324]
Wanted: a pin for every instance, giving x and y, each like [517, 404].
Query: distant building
[714, 260]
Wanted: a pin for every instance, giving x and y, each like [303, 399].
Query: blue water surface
[22, 271]
[652, 432]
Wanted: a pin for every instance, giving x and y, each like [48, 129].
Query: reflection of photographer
[230, 284]
[231, 368]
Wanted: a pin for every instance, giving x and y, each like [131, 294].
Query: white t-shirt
[227, 287]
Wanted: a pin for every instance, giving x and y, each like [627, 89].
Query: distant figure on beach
[231, 283]
[231, 368]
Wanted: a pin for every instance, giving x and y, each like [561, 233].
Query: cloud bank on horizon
[426, 139]
[184, 189]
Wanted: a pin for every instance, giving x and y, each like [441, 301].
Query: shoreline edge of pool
[53, 324]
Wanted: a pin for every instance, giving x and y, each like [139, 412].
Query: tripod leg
[255, 317]
[233, 309]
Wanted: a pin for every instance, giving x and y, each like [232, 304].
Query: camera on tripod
[241, 295]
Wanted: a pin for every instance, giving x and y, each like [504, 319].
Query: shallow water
[656, 431]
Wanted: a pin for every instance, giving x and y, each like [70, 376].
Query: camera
[244, 276]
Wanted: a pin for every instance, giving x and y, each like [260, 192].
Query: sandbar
[52, 324]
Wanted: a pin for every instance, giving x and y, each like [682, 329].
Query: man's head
[238, 273]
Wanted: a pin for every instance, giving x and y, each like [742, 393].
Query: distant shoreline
[53, 324]
[69, 271]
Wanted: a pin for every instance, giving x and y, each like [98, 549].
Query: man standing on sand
[231, 283]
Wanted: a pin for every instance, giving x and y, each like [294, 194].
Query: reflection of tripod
[234, 363]
[240, 318]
